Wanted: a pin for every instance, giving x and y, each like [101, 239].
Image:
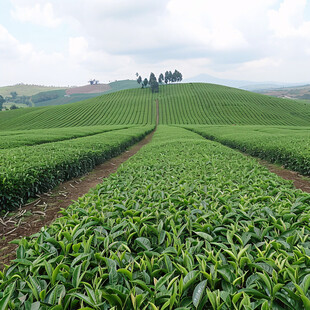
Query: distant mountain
[242, 84]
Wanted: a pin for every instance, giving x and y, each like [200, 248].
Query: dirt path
[299, 181]
[43, 211]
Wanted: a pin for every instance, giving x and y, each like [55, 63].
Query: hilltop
[178, 104]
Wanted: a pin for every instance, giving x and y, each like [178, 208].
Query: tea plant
[185, 224]
[288, 146]
[192, 103]
[29, 170]
[10, 139]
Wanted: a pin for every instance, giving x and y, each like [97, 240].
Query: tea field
[288, 146]
[11, 139]
[29, 170]
[186, 223]
[178, 104]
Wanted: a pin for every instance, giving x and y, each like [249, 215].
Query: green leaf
[126, 272]
[189, 279]
[144, 243]
[204, 235]
[198, 293]
[162, 281]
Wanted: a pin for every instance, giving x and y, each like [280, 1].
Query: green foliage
[13, 107]
[178, 104]
[48, 95]
[13, 94]
[2, 101]
[185, 224]
[201, 103]
[119, 108]
[12, 139]
[27, 171]
[145, 82]
[139, 80]
[288, 146]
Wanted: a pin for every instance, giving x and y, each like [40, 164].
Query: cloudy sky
[67, 42]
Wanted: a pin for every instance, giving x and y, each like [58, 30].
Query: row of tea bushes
[29, 170]
[185, 224]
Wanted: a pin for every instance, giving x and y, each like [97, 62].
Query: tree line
[169, 77]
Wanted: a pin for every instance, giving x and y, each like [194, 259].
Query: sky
[68, 42]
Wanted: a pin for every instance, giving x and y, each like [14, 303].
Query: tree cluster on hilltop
[93, 82]
[169, 77]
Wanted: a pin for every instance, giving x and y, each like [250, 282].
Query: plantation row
[289, 146]
[185, 224]
[29, 170]
[214, 104]
[120, 108]
[178, 104]
[11, 139]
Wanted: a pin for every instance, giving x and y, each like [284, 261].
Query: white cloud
[289, 21]
[11, 49]
[40, 14]
[112, 39]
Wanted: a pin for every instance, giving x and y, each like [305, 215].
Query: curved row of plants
[119, 108]
[11, 139]
[288, 146]
[188, 103]
[201, 103]
[29, 170]
[185, 224]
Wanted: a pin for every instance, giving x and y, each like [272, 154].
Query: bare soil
[299, 181]
[88, 89]
[29, 219]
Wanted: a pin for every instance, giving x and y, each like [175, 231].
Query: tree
[153, 83]
[177, 76]
[13, 107]
[93, 82]
[166, 77]
[154, 86]
[2, 101]
[139, 79]
[161, 78]
[13, 94]
[152, 78]
[145, 82]
[170, 76]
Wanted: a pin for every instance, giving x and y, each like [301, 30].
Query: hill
[26, 90]
[178, 104]
[297, 92]
[45, 96]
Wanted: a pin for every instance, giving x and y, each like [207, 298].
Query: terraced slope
[213, 104]
[178, 104]
[125, 107]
